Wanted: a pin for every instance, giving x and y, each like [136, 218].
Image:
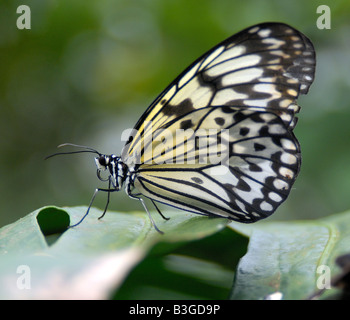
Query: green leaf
[284, 256]
[202, 269]
[42, 259]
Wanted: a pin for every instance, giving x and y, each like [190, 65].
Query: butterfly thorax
[117, 169]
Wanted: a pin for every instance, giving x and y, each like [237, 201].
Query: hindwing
[258, 163]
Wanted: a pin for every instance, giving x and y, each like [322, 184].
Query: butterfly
[218, 141]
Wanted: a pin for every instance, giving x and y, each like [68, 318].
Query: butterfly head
[117, 170]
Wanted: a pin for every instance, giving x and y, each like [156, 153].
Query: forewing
[264, 67]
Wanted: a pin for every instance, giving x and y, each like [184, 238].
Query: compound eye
[102, 161]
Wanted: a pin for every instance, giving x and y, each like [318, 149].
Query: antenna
[87, 149]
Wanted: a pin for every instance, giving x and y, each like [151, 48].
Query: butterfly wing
[264, 67]
[247, 86]
[258, 163]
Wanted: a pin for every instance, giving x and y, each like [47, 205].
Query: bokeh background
[86, 70]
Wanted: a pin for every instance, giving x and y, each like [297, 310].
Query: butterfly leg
[150, 217]
[109, 190]
[87, 211]
[164, 217]
[108, 194]
[135, 196]
[146, 209]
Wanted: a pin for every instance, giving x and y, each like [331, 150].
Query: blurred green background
[86, 70]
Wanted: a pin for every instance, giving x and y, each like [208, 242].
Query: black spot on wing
[186, 124]
[244, 131]
[219, 121]
[259, 147]
[186, 106]
[197, 180]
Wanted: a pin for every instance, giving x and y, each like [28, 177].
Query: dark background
[88, 69]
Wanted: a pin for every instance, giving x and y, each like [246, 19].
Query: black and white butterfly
[245, 90]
